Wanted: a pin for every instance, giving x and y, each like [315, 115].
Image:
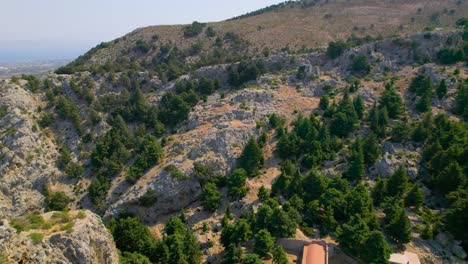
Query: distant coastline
[35, 67]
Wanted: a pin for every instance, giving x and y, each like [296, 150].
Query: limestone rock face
[27, 156]
[88, 242]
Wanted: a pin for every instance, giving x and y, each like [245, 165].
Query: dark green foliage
[263, 193]
[371, 149]
[263, 243]
[133, 258]
[111, 151]
[245, 71]
[206, 86]
[282, 225]
[56, 201]
[401, 132]
[236, 184]
[392, 101]
[211, 197]
[236, 233]
[276, 121]
[173, 109]
[194, 29]
[204, 174]
[98, 189]
[33, 82]
[376, 249]
[456, 218]
[136, 242]
[441, 89]
[427, 232]
[132, 236]
[174, 226]
[359, 106]
[380, 191]
[4, 111]
[301, 72]
[67, 109]
[148, 199]
[415, 196]
[74, 170]
[335, 49]
[263, 217]
[451, 178]
[251, 259]
[450, 56]
[251, 159]
[356, 162]
[398, 183]
[353, 235]
[64, 159]
[210, 32]
[398, 227]
[233, 254]
[345, 118]
[279, 256]
[360, 65]
[461, 107]
[45, 120]
[324, 102]
[149, 153]
[424, 103]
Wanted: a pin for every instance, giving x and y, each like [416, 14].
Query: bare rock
[88, 242]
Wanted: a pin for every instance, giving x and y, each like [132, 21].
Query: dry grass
[309, 27]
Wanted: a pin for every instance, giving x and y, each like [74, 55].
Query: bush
[194, 29]
[450, 56]
[148, 199]
[133, 258]
[236, 184]
[56, 201]
[36, 238]
[251, 159]
[335, 49]
[360, 65]
[211, 197]
[245, 71]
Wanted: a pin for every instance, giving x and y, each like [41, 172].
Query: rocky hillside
[203, 148]
[57, 237]
[295, 26]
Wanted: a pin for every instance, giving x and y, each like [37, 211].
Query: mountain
[191, 141]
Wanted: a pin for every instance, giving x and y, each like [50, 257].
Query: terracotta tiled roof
[314, 253]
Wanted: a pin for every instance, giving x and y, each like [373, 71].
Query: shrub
[56, 201]
[360, 65]
[148, 199]
[335, 49]
[211, 197]
[36, 238]
[450, 56]
[194, 29]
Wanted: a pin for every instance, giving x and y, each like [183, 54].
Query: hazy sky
[55, 29]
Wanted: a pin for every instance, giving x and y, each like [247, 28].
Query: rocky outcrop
[392, 53]
[87, 242]
[27, 154]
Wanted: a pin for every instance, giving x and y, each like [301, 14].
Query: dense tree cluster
[179, 244]
[245, 71]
